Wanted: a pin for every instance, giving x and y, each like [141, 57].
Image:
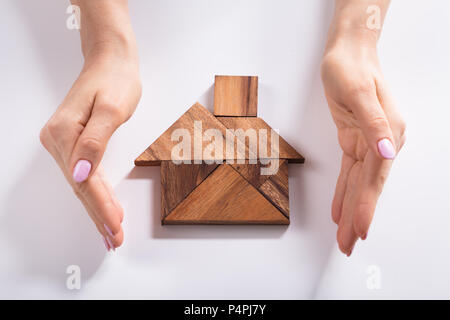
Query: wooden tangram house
[222, 192]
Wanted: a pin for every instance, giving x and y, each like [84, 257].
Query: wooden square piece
[236, 96]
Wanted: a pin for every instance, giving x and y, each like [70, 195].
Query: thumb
[91, 144]
[374, 124]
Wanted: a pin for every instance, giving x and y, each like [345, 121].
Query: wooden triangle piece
[285, 150]
[225, 197]
[178, 181]
[196, 117]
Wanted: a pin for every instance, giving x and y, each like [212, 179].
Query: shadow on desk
[47, 227]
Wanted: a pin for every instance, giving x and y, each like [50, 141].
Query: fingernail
[364, 236]
[111, 245]
[350, 252]
[81, 170]
[108, 230]
[106, 243]
[386, 149]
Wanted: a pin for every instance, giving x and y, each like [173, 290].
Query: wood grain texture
[225, 197]
[161, 149]
[251, 172]
[178, 181]
[274, 187]
[285, 150]
[236, 96]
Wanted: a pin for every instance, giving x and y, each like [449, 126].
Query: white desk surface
[183, 44]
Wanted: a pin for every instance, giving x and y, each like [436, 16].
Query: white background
[183, 44]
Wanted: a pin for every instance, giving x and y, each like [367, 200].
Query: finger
[110, 190]
[67, 123]
[373, 176]
[96, 192]
[341, 185]
[374, 123]
[110, 242]
[91, 145]
[61, 132]
[346, 235]
[397, 124]
[51, 147]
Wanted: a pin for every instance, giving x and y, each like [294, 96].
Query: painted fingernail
[364, 236]
[81, 170]
[386, 149]
[108, 230]
[106, 243]
[111, 245]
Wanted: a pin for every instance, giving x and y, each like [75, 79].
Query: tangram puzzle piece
[197, 117]
[223, 188]
[284, 150]
[235, 96]
[274, 187]
[178, 181]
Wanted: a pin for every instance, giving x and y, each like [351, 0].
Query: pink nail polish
[386, 149]
[111, 245]
[108, 230]
[106, 243]
[81, 170]
[364, 236]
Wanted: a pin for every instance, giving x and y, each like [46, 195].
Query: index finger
[373, 176]
[99, 196]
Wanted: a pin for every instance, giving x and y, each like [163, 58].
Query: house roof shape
[161, 148]
[209, 192]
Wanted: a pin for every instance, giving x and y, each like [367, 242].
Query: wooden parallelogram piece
[275, 187]
[284, 150]
[225, 197]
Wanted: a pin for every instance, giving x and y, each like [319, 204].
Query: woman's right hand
[103, 97]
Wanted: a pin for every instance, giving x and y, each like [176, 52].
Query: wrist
[118, 45]
[352, 35]
[106, 28]
[357, 23]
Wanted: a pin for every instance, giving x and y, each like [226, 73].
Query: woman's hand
[103, 97]
[370, 132]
